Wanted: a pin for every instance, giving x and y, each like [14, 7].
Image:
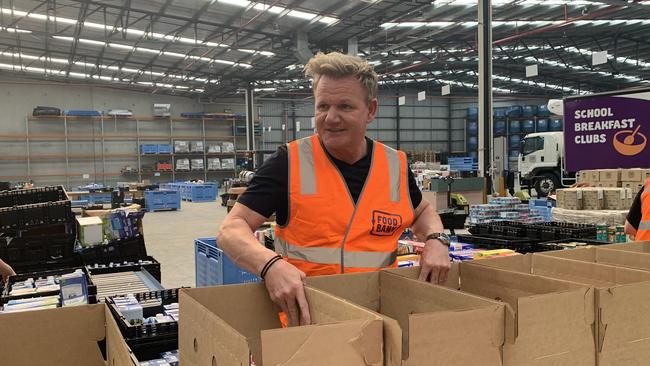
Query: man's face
[342, 113]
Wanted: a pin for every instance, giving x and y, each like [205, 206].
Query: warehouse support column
[485, 89]
[397, 122]
[250, 122]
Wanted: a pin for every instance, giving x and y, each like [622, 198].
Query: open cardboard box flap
[415, 313]
[228, 324]
[607, 255]
[62, 336]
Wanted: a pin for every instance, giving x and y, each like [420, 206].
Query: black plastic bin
[520, 245]
[143, 336]
[92, 289]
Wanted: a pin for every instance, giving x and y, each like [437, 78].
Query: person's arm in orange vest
[434, 261]
[283, 281]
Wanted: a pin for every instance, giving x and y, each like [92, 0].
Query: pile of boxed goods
[611, 178]
[503, 209]
[588, 198]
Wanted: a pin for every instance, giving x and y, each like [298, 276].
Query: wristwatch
[441, 237]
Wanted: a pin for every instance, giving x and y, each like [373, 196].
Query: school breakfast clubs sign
[607, 131]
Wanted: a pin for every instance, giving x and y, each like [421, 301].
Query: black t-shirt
[268, 191]
[634, 216]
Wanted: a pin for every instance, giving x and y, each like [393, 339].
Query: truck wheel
[546, 183]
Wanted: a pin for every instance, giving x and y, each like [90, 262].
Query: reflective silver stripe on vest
[393, 173]
[644, 225]
[306, 166]
[333, 256]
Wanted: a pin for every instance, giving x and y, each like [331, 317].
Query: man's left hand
[434, 262]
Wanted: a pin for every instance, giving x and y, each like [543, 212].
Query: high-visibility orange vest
[643, 232]
[326, 233]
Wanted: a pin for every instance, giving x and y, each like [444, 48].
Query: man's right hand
[285, 284]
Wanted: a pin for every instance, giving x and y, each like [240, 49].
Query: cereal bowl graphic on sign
[629, 142]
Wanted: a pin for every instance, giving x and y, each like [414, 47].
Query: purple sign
[607, 131]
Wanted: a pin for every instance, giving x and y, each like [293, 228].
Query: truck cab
[540, 162]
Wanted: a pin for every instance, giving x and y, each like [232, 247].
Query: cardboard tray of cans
[152, 303]
[5, 297]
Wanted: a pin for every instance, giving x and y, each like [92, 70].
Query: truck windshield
[532, 144]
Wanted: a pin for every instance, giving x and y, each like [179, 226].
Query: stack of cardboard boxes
[610, 178]
[588, 198]
[582, 307]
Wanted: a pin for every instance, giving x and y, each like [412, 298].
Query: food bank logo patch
[384, 223]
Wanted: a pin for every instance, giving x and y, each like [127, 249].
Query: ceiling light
[301, 14]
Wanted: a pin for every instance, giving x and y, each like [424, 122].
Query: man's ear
[372, 110]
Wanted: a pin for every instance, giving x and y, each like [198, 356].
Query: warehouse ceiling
[216, 48]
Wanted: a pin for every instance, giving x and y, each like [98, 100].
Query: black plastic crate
[453, 220]
[25, 217]
[495, 242]
[556, 244]
[51, 251]
[126, 249]
[539, 231]
[29, 196]
[5, 297]
[148, 333]
[118, 265]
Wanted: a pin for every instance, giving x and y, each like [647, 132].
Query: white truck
[541, 163]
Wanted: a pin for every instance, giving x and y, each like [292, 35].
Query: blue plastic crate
[542, 125]
[82, 113]
[148, 149]
[164, 149]
[472, 143]
[192, 114]
[515, 141]
[213, 267]
[162, 200]
[515, 111]
[472, 112]
[500, 112]
[529, 111]
[199, 192]
[95, 199]
[472, 128]
[515, 126]
[542, 111]
[499, 128]
[528, 126]
[540, 202]
[555, 125]
[462, 164]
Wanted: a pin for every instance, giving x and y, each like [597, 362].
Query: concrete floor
[169, 236]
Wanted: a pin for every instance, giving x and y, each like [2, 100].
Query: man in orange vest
[637, 224]
[341, 199]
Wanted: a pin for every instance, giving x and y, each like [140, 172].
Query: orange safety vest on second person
[643, 232]
[326, 233]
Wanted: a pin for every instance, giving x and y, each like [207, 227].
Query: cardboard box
[548, 321]
[617, 198]
[608, 184]
[629, 255]
[632, 175]
[634, 186]
[227, 325]
[622, 307]
[609, 175]
[569, 198]
[584, 177]
[91, 231]
[593, 176]
[63, 336]
[411, 309]
[592, 199]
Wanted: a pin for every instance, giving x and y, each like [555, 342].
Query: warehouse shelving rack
[221, 127]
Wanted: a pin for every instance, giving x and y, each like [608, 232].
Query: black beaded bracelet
[268, 265]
